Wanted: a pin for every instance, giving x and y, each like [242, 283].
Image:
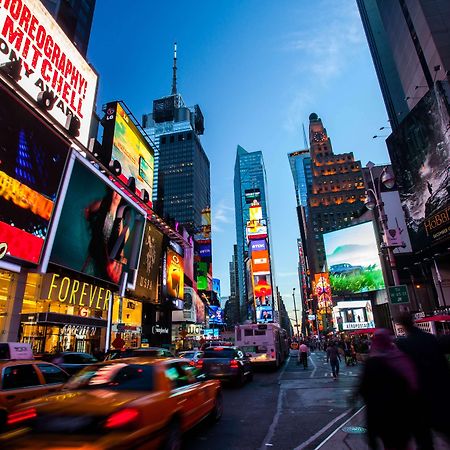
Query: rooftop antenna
[304, 136]
[174, 76]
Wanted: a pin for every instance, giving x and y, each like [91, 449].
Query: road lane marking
[338, 428]
[321, 431]
[314, 365]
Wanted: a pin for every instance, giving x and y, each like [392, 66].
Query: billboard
[264, 314]
[149, 264]
[98, 230]
[174, 279]
[260, 262]
[258, 245]
[420, 155]
[255, 212]
[322, 289]
[202, 275]
[256, 230]
[262, 289]
[49, 62]
[215, 314]
[204, 251]
[129, 147]
[32, 160]
[216, 286]
[354, 315]
[353, 261]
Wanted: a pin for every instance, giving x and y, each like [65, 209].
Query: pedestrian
[434, 379]
[389, 382]
[333, 358]
[303, 355]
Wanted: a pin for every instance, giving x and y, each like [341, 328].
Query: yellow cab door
[20, 383]
[185, 391]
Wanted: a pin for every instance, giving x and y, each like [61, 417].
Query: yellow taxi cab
[130, 403]
[23, 378]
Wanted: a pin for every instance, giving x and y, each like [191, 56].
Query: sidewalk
[351, 435]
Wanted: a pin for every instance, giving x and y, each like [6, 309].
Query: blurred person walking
[434, 381]
[303, 351]
[333, 358]
[389, 388]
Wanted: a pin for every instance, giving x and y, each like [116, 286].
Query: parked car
[130, 403]
[226, 363]
[152, 352]
[73, 362]
[26, 379]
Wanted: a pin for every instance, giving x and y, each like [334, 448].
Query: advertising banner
[354, 315]
[353, 260]
[174, 287]
[258, 245]
[262, 289]
[264, 314]
[200, 315]
[420, 155]
[149, 264]
[256, 230]
[322, 289]
[98, 228]
[32, 160]
[49, 62]
[255, 212]
[129, 147]
[260, 262]
[215, 314]
[204, 250]
[202, 276]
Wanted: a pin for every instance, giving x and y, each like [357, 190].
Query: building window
[163, 140]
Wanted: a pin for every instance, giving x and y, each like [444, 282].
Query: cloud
[286, 274]
[222, 214]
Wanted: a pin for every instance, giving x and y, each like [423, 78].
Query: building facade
[75, 18]
[250, 183]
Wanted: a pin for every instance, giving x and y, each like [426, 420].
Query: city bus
[266, 344]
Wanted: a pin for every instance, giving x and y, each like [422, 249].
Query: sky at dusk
[257, 68]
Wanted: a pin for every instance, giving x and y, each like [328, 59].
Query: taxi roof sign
[15, 350]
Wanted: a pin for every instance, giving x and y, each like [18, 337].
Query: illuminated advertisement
[202, 276]
[188, 259]
[258, 245]
[420, 153]
[264, 314]
[352, 259]
[98, 228]
[204, 250]
[255, 212]
[49, 62]
[256, 230]
[32, 160]
[353, 315]
[149, 264]
[129, 147]
[200, 315]
[216, 286]
[174, 287]
[215, 314]
[262, 289]
[260, 262]
[322, 289]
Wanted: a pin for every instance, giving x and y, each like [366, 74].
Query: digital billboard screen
[260, 262]
[420, 153]
[353, 261]
[262, 289]
[174, 279]
[149, 264]
[264, 314]
[129, 147]
[98, 228]
[215, 314]
[49, 62]
[202, 275]
[32, 160]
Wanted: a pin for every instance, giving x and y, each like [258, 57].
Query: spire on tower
[174, 76]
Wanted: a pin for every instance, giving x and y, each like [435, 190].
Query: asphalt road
[285, 410]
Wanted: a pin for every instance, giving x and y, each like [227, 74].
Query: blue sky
[257, 68]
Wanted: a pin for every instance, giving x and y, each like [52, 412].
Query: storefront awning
[51, 318]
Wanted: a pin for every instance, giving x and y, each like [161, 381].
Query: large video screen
[98, 228]
[130, 148]
[353, 261]
[420, 154]
[174, 279]
[215, 315]
[32, 160]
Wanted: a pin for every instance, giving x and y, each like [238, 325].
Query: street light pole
[295, 311]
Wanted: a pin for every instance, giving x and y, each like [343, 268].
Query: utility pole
[295, 311]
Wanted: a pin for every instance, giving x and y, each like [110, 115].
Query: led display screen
[215, 314]
[264, 314]
[149, 264]
[353, 261]
[260, 262]
[98, 228]
[32, 160]
[174, 278]
[202, 276]
[129, 147]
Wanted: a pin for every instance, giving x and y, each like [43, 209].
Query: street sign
[398, 294]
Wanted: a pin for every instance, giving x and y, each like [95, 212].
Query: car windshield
[219, 352]
[116, 377]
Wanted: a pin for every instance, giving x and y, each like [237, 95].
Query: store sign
[74, 292]
[49, 62]
[3, 249]
[157, 329]
[78, 330]
[357, 325]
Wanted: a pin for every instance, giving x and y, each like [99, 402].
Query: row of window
[180, 138]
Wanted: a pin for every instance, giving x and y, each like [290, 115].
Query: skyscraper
[232, 307]
[337, 191]
[410, 44]
[181, 188]
[75, 18]
[250, 183]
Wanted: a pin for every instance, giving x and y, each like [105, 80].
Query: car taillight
[122, 418]
[234, 364]
[21, 416]
[199, 364]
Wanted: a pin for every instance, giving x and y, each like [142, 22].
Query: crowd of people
[404, 383]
